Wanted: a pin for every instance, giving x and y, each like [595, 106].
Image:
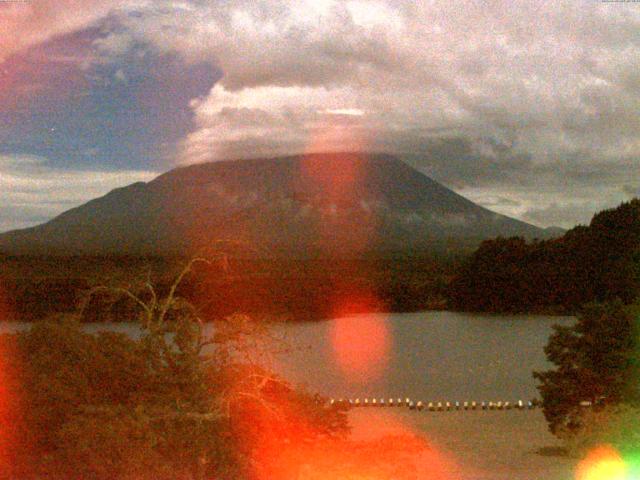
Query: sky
[531, 109]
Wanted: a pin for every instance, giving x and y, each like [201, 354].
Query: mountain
[339, 204]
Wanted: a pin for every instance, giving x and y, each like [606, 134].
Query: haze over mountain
[339, 204]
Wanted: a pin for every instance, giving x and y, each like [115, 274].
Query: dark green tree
[595, 263]
[594, 362]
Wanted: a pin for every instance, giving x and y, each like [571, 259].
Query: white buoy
[530, 405]
[411, 406]
[473, 405]
[420, 405]
[431, 407]
[507, 405]
[390, 402]
[382, 402]
[484, 405]
[440, 408]
[399, 402]
[374, 402]
[448, 406]
[366, 402]
[457, 405]
[356, 402]
[520, 405]
[465, 405]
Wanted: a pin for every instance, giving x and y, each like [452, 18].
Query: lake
[428, 355]
[431, 356]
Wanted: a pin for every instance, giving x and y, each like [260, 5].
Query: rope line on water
[439, 406]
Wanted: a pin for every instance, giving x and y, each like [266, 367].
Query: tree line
[595, 263]
[591, 396]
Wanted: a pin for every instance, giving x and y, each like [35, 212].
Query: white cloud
[264, 121]
[33, 192]
[355, 112]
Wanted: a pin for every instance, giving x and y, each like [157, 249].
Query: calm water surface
[429, 355]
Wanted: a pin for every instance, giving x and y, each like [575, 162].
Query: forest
[594, 263]
[32, 288]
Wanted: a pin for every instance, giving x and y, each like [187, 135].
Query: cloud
[497, 201]
[343, 111]
[33, 191]
[528, 101]
[29, 22]
[271, 121]
[632, 191]
[562, 214]
[551, 80]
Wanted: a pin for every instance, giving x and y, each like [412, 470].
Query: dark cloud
[462, 162]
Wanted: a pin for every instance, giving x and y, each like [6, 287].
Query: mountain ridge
[348, 204]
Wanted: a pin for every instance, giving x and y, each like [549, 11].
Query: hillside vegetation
[594, 263]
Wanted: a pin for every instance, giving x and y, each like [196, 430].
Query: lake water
[432, 356]
[429, 356]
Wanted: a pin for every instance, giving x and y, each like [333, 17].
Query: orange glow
[602, 463]
[289, 440]
[8, 404]
[9, 412]
[4, 305]
[395, 454]
[332, 136]
[361, 344]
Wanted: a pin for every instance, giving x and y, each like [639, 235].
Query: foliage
[595, 362]
[171, 404]
[34, 288]
[597, 263]
[614, 425]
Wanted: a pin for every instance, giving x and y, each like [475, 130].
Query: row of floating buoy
[434, 406]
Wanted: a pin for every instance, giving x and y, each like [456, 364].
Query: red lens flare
[401, 455]
[336, 184]
[9, 383]
[602, 463]
[7, 407]
[336, 187]
[361, 343]
[5, 310]
[421, 459]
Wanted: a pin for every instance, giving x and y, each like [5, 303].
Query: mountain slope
[313, 205]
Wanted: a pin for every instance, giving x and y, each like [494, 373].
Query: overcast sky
[531, 109]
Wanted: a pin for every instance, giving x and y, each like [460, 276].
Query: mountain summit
[338, 204]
